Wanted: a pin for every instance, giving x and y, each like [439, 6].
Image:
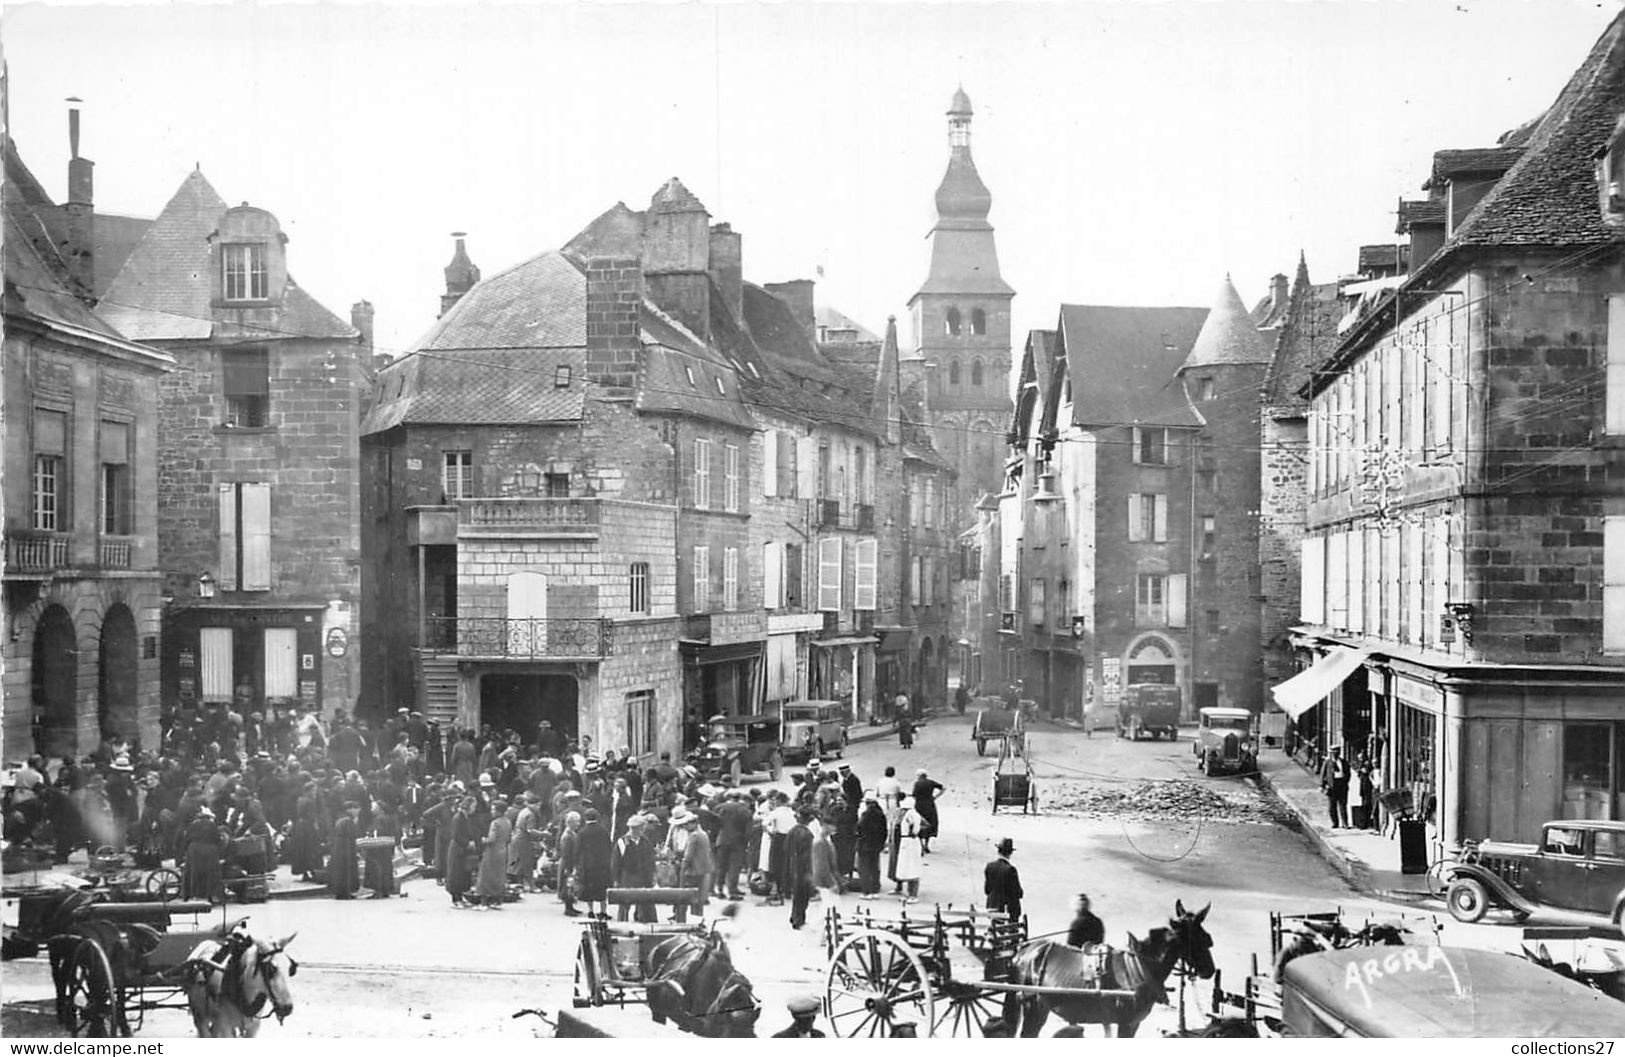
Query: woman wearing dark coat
[460, 846]
[379, 866]
[492, 884]
[305, 840]
[871, 842]
[593, 855]
[342, 876]
[925, 802]
[205, 841]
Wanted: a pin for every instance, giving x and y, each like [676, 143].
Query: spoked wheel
[165, 884]
[588, 989]
[875, 983]
[965, 1010]
[94, 1008]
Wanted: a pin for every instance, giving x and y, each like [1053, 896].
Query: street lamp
[205, 585]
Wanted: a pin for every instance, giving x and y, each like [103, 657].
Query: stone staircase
[437, 689]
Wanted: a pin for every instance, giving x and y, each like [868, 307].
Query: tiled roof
[1382, 255]
[165, 287]
[673, 197]
[116, 238]
[1426, 211]
[1472, 161]
[539, 304]
[1123, 361]
[1307, 338]
[1549, 197]
[1228, 337]
[477, 387]
[616, 232]
[827, 318]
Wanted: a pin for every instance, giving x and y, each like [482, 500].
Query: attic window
[720, 389]
[1613, 171]
[753, 371]
[561, 376]
[690, 372]
[244, 276]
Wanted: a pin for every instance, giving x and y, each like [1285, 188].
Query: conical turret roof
[961, 103]
[1228, 337]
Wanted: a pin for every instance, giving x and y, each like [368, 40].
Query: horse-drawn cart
[995, 723]
[1013, 784]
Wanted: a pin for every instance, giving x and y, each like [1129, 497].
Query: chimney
[79, 249]
[461, 274]
[798, 294]
[1280, 294]
[361, 320]
[614, 298]
[727, 268]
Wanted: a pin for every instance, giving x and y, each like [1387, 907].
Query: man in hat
[851, 787]
[803, 1012]
[1334, 782]
[632, 864]
[798, 867]
[872, 831]
[1086, 929]
[691, 848]
[734, 819]
[1002, 883]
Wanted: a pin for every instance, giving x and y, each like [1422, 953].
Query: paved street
[413, 966]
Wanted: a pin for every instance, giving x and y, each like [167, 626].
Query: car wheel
[1467, 899]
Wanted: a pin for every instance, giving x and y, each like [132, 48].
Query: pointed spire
[1228, 337]
[887, 397]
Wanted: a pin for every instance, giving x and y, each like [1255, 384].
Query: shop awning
[1309, 687]
[845, 640]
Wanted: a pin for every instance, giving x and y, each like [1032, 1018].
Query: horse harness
[232, 985]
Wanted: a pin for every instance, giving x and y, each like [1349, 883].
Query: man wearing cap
[851, 788]
[1334, 782]
[803, 1012]
[733, 836]
[872, 832]
[1002, 882]
[632, 864]
[798, 867]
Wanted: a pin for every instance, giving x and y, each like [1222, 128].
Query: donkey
[1142, 969]
[233, 984]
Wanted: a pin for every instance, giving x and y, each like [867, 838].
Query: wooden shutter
[1176, 600]
[214, 663]
[829, 574]
[1615, 379]
[702, 579]
[786, 447]
[730, 578]
[1159, 518]
[227, 574]
[1613, 583]
[772, 574]
[256, 539]
[914, 581]
[1135, 530]
[1312, 580]
[1134, 443]
[281, 662]
[770, 463]
[867, 562]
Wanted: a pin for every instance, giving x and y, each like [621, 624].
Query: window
[978, 321]
[952, 322]
[1215, 623]
[561, 376]
[916, 581]
[556, 485]
[702, 579]
[1063, 604]
[1007, 593]
[1613, 583]
[638, 588]
[457, 475]
[730, 477]
[730, 579]
[829, 574]
[115, 482]
[702, 474]
[953, 372]
[1036, 602]
[1203, 389]
[1148, 518]
[640, 722]
[860, 475]
[245, 537]
[245, 278]
[928, 500]
[976, 372]
[792, 575]
[788, 466]
[246, 382]
[1150, 600]
[689, 371]
[1150, 446]
[1210, 532]
[867, 562]
[50, 487]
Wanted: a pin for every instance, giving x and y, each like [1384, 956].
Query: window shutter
[1176, 600]
[256, 541]
[829, 574]
[1615, 380]
[1159, 518]
[1135, 531]
[730, 578]
[1354, 556]
[867, 561]
[914, 581]
[786, 447]
[807, 467]
[770, 462]
[772, 574]
[227, 575]
[1613, 583]
[702, 579]
[214, 662]
[1134, 443]
[281, 662]
[1312, 580]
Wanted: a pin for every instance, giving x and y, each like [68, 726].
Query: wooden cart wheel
[94, 1006]
[589, 989]
[965, 1010]
[165, 884]
[875, 982]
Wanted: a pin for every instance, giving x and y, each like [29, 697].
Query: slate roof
[1382, 255]
[827, 318]
[1228, 337]
[1426, 211]
[539, 304]
[1123, 361]
[1308, 337]
[165, 287]
[616, 232]
[116, 238]
[477, 387]
[1472, 161]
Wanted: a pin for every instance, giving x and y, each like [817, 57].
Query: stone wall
[1283, 475]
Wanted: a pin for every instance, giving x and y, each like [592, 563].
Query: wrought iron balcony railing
[520, 638]
[30, 551]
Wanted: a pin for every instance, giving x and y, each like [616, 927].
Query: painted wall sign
[337, 642]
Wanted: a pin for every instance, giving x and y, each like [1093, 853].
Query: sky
[1137, 153]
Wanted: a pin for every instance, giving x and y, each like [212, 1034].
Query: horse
[229, 982]
[691, 980]
[1141, 969]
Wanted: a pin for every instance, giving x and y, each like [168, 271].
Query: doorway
[521, 702]
[117, 678]
[55, 678]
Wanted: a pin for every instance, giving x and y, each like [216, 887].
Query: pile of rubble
[1173, 799]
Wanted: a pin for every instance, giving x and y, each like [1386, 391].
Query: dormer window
[690, 372]
[244, 273]
[1612, 174]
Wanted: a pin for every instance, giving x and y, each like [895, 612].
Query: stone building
[258, 490]
[1463, 609]
[82, 597]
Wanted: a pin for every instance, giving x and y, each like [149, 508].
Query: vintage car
[1148, 708]
[740, 745]
[812, 728]
[1576, 874]
[1225, 741]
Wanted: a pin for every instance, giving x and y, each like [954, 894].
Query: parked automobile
[1225, 741]
[1575, 874]
[1148, 708]
[812, 729]
[740, 745]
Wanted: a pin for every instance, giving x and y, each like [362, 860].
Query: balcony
[526, 517]
[833, 513]
[829, 513]
[115, 552]
[866, 517]
[520, 638]
[31, 552]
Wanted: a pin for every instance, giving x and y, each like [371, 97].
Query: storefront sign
[307, 690]
[1111, 679]
[337, 642]
[1418, 694]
